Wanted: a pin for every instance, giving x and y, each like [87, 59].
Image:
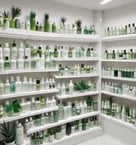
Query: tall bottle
[12, 85]
[6, 51]
[19, 134]
[1, 88]
[1, 59]
[14, 50]
[7, 87]
[71, 87]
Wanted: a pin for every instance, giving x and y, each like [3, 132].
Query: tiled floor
[104, 140]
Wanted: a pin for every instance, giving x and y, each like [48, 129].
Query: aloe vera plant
[81, 86]
[8, 132]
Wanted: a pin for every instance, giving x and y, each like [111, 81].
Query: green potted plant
[46, 23]
[8, 133]
[32, 20]
[63, 20]
[6, 19]
[16, 107]
[81, 86]
[15, 12]
[78, 24]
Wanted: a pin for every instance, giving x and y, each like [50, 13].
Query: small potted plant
[78, 24]
[15, 12]
[32, 20]
[6, 19]
[8, 133]
[63, 20]
[16, 107]
[46, 23]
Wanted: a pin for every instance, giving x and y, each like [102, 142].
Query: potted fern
[5, 15]
[32, 20]
[8, 133]
[46, 23]
[15, 12]
[78, 24]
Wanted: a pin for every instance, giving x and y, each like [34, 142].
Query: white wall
[56, 10]
[120, 16]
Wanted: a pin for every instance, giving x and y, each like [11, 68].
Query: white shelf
[119, 96]
[112, 60]
[119, 121]
[75, 59]
[119, 37]
[75, 137]
[36, 35]
[28, 114]
[120, 79]
[77, 76]
[8, 72]
[24, 94]
[78, 94]
[61, 122]
[78, 137]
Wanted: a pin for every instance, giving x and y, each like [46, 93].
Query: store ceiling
[95, 4]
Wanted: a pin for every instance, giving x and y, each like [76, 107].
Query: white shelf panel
[8, 72]
[61, 122]
[35, 35]
[75, 137]
[119, 121]
[78, 94]
[120, 79]
[75, 59]
[78, 137]
[112, 60]
[24, 94]
[28, 114]
[119, 37]
[119, 96]
[77, 76]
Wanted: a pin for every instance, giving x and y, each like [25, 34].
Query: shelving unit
[78, 94]
[119, 96]
[25, 94]
[120, 79]
[77, 76]
[61, 122]
[118, 121]
[28, 114]
[42, 36]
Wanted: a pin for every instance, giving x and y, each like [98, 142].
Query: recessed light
[105, 2]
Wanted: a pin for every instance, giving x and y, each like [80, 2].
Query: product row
[119, 88]
[47, 26]
[122, 30]
[119, 72]
[59, 132]
[65, 88]
[120, 54]
[65, 109]
[77, 69]
[25, 85]
[123, 112]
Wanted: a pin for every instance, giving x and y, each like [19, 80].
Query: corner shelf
[75, 59]
[8, 72]
[61, 122]
[119, 96]
[120, 79]
[78, 94]
[28, 114]
[77, 76]
[119, 121]
[119, 37]
[36, 35]
[24, 94]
